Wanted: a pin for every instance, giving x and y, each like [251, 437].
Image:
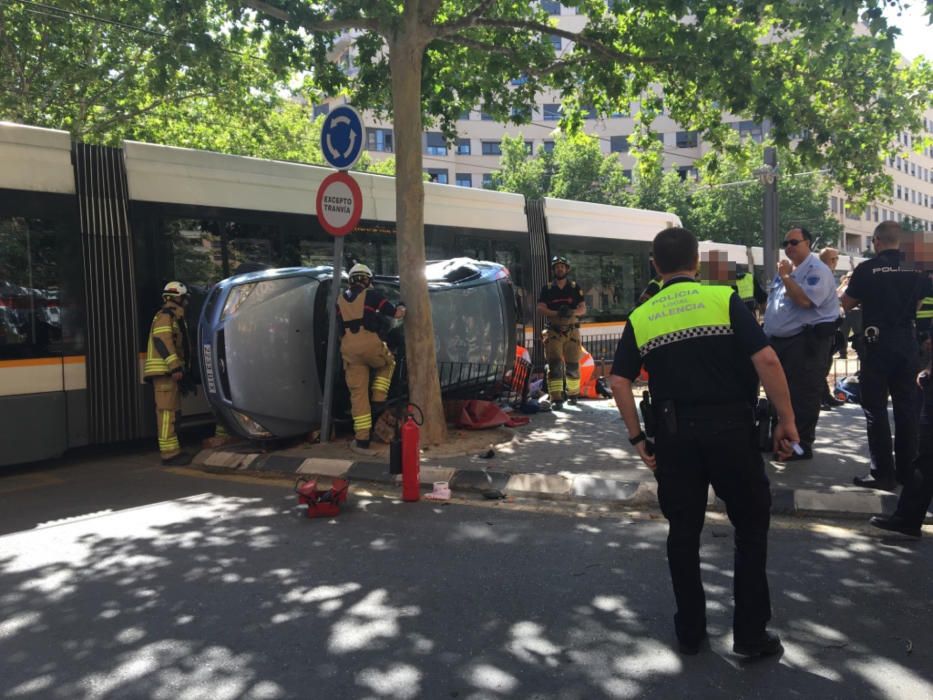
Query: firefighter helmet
[175, 289]
[360, 272]
[559, 259]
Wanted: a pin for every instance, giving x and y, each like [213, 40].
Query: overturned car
[262, 339]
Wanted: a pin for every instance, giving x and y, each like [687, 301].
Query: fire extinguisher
[411, 454]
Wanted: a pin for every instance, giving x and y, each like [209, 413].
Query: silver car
[262, 340]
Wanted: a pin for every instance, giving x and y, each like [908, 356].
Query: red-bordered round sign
[339, 204]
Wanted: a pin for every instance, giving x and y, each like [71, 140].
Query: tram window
[31, 313]
[610, 280]
[197, 256]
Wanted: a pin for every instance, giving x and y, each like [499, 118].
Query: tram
[89, 234]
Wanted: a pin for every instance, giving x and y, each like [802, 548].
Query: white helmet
[175, 289]
[360, 270]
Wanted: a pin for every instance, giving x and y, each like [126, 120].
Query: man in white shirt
[800, 320]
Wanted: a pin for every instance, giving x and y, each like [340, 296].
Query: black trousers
[917, 494]
[887, 372]
[803, 358]
[720, 450]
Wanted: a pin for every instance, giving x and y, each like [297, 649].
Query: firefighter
[166, 366]
[363, 349]
[562, 304]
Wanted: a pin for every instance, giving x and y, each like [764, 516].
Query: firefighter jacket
[166, 349]
[359, 308]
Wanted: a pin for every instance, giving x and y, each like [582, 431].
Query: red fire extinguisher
[411, 454]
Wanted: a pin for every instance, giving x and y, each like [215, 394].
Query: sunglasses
[792, 242]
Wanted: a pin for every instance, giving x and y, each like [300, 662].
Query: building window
[487, 180]
[521, 114]
[434, 144]
[750, 129]
[588, 112]
[529, 147]
[898, 192]
[379, 140]
[834, 205]
[492, 148]
[464, 179]
[552, 8]
[898, 163]
[438, 175]
[486, 117]
[551, 112]
[547, 146]
[465, 115]
[687, 139]
[627, 174]
[687, 171]
[321, 109]
[618, 144]
[555, 42]
[660, 138]
[463, 147]
[875, 213]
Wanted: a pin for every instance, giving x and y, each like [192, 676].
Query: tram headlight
[251, 427]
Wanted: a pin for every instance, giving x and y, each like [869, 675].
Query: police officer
[166, 365]
[562, 304]
[705, 354]
[914, 501]
[888, 293]
[363, 350]
[654, 286]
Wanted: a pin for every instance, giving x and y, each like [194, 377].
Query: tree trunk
[406, 52]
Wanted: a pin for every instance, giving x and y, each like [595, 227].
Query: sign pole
[339, 205]
[331, 367]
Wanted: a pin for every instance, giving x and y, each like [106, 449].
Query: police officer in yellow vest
[363, 350]
[165, 367]
[705, 354]
[562, 304]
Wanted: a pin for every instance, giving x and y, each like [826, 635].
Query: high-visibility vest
[679, 312]
[925, 310]
[745, 286]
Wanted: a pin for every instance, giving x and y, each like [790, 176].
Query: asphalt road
[119, 579]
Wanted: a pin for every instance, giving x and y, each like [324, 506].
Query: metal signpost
[339, 206]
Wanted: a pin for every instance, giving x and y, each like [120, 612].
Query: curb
[581, 488]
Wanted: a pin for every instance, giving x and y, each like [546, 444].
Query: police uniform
[562, 348]
[696, 342]
[889, 295]
[363, 350]
[749, 291]
[165, 354]
[653, 287]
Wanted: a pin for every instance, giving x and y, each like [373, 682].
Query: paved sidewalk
[583, 454]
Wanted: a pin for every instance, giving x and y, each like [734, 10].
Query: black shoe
[179, 460]
[833, 401]
[826, 406]
[362, 444]
[870, 482]
[557, 406]
[572, 400]
[765, 645]
[691, 648]
[895, 523]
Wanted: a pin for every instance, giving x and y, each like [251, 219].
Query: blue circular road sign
[342, 137]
